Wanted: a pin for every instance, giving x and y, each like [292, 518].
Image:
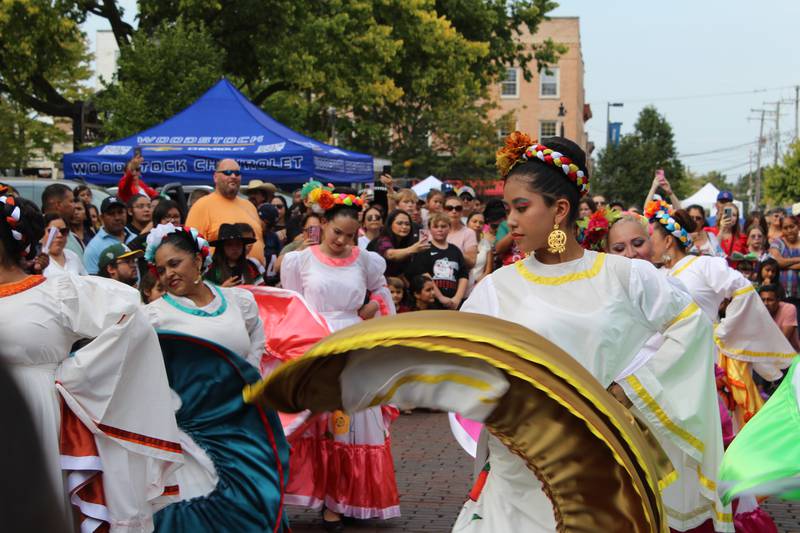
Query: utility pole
[777, 131]
[796, 112]
[761, 113]
[757, 191]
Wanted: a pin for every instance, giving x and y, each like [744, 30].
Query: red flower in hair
[326, 200]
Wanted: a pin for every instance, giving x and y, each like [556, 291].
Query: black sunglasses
[63, 231]
[230, 172]
[454, 208]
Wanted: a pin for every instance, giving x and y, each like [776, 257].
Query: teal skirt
[245, 442]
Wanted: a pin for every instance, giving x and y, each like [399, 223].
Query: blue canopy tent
[220, 124]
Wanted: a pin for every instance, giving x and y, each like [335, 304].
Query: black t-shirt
[446, 267]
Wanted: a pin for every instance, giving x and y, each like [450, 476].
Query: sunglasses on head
[454, 208]
[230, 172]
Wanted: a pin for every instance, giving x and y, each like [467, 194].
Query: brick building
[554, 100]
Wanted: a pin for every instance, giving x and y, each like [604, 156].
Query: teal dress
[245, 442]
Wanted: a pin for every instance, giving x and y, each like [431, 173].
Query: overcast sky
[686, 58]
[670, 54]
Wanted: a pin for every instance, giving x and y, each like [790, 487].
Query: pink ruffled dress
[342, 460]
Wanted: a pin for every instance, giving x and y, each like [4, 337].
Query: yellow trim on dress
[667, 480]
[748, 353]
[432, 379]
[684, 267]
[710, 484]
[721, 517]
[656, 409]
[688, 311]
[743, 290]
[566, 278]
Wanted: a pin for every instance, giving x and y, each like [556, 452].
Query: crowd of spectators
[436, 247]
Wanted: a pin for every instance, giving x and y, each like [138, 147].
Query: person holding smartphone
[729, 233]
[397, 244]
[131, 184]
[660, 182]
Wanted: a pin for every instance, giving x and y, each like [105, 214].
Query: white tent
[707, 197]
[425, 186]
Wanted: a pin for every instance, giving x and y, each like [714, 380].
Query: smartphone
[727, 212]
[424, 235]
[50, 236]
[660, 173]
[315, 234]
[387, 169]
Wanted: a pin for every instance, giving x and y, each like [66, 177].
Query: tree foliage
[625, 172]
[387, 76]
[403, 78]
[23, 136]
[158, 75]
[693, 182]
[43, 57]
[782, 182]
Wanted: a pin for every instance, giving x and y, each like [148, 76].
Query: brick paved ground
[434, 475]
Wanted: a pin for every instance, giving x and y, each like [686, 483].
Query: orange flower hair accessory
[513, 150]
[520, 147]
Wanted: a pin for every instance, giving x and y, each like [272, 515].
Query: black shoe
[334, 526]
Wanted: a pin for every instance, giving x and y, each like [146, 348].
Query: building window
[547, 128]
[548, 82]
[509, 87]
[506, 127]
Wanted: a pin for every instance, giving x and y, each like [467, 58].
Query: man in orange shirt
[224, 206]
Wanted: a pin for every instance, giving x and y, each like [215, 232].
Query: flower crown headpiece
[158, 233]
[323, 196]
[657, 210]
[520, 147]
[593, 230]
[11, 213]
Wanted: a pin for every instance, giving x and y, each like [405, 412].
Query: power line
[718, 150]
[699, 96]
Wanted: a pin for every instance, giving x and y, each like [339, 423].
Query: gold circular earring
[556, 240]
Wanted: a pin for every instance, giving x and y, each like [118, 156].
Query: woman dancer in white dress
[601, 310]
[102, 413]
[343, 462]
[745, 330]
[237, 458]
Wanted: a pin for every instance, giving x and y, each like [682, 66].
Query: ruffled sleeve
[674, 391]
[747, 332]
[375, 267]
[292, 271]
[116, 392]
[255, 328]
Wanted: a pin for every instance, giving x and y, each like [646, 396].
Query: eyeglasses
[230, 172]
[63, 231]
[373, 218]
[456, 208]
